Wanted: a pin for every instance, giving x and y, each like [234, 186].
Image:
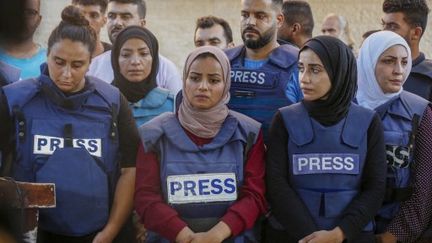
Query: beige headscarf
[205, 123]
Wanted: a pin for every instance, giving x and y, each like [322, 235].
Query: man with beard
[20, 51]
[120, 14]
[264, 74]
[408, 18]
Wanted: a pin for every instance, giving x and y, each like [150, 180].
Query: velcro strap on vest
[249, 144]
[68, 135]
[21, 121]
[398, 194]
[113, 130]
[244, 93]
[415, 125]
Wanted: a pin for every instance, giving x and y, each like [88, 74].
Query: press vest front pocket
[82, 195]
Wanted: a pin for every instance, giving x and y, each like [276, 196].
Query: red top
[158, 216]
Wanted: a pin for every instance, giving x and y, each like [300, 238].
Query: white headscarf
[369, 93]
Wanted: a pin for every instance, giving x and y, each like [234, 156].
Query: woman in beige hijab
[200, 172]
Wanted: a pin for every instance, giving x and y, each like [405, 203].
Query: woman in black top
[325, 161]
[76, 132]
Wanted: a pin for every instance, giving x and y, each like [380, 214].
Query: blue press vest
[155, 103]
[397, 117]
[258, 93]
[72, 142]
[326, 163]
[223, 155]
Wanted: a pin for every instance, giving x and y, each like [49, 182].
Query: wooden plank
[29, 195]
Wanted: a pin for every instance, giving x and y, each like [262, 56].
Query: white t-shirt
[168, 77]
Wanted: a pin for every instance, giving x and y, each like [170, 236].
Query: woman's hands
[325, 236]
[217, 234]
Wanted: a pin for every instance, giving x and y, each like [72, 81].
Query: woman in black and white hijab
[384, 65]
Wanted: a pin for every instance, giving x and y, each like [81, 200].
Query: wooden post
[29, 197]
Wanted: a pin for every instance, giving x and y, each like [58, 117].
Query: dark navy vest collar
[71, 102]
[303, 132]
[399, 106]
[278, 56]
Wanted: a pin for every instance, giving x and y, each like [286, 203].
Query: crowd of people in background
[285, 137]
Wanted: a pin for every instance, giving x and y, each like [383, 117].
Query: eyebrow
[61, 59]
[120, 12]
[394, 57]
[311, 64]
[214, 39]
[139, 49]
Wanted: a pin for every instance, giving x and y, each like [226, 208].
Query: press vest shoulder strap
[234, 52]
[415, 104]
[356, 125]
[423, 68]
[108, 92]
[284, 56]
[20, 92]
[297, 123]
[152, 131]
[247, 125]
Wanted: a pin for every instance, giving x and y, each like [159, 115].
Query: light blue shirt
[30, 67]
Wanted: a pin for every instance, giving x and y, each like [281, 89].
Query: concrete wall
[173, 21]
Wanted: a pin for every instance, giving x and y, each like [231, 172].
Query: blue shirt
[30, 67]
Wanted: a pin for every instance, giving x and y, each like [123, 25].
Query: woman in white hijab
[384, 64]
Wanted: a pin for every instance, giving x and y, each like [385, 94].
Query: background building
[173, 21]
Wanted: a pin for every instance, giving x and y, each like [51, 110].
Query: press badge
[194, 188]
[304, 164]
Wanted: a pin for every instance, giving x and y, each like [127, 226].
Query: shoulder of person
[246, 124]
[234, 52]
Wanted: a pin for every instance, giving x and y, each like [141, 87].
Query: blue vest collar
[155, 98]
[404, 105]
[10, 73]
[302, 133]
[181, 140]
[70, 102]
[278, 56]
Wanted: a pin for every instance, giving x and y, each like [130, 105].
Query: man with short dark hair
[298, 23]
[94, 12]
[20, 51]
[264, 74]
[120, 14]
[213, 31]
[408, 18]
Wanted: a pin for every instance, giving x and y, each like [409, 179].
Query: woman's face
[391, 69]
[135, 60]
[68, 62]
[314, 80]
[204, 83]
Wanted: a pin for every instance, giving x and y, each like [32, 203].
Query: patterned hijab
[205, 123]
[370, 94]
